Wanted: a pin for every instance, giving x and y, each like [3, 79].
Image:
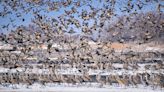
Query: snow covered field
[94, 87]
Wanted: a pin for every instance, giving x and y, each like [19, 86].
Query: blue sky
[54, 14]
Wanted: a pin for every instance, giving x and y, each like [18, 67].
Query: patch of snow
[75, 88]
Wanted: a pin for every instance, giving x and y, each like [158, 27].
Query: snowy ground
[94, 87]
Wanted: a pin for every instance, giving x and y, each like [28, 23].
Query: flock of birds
[27, 53]
[79, 17]
[33, 48]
